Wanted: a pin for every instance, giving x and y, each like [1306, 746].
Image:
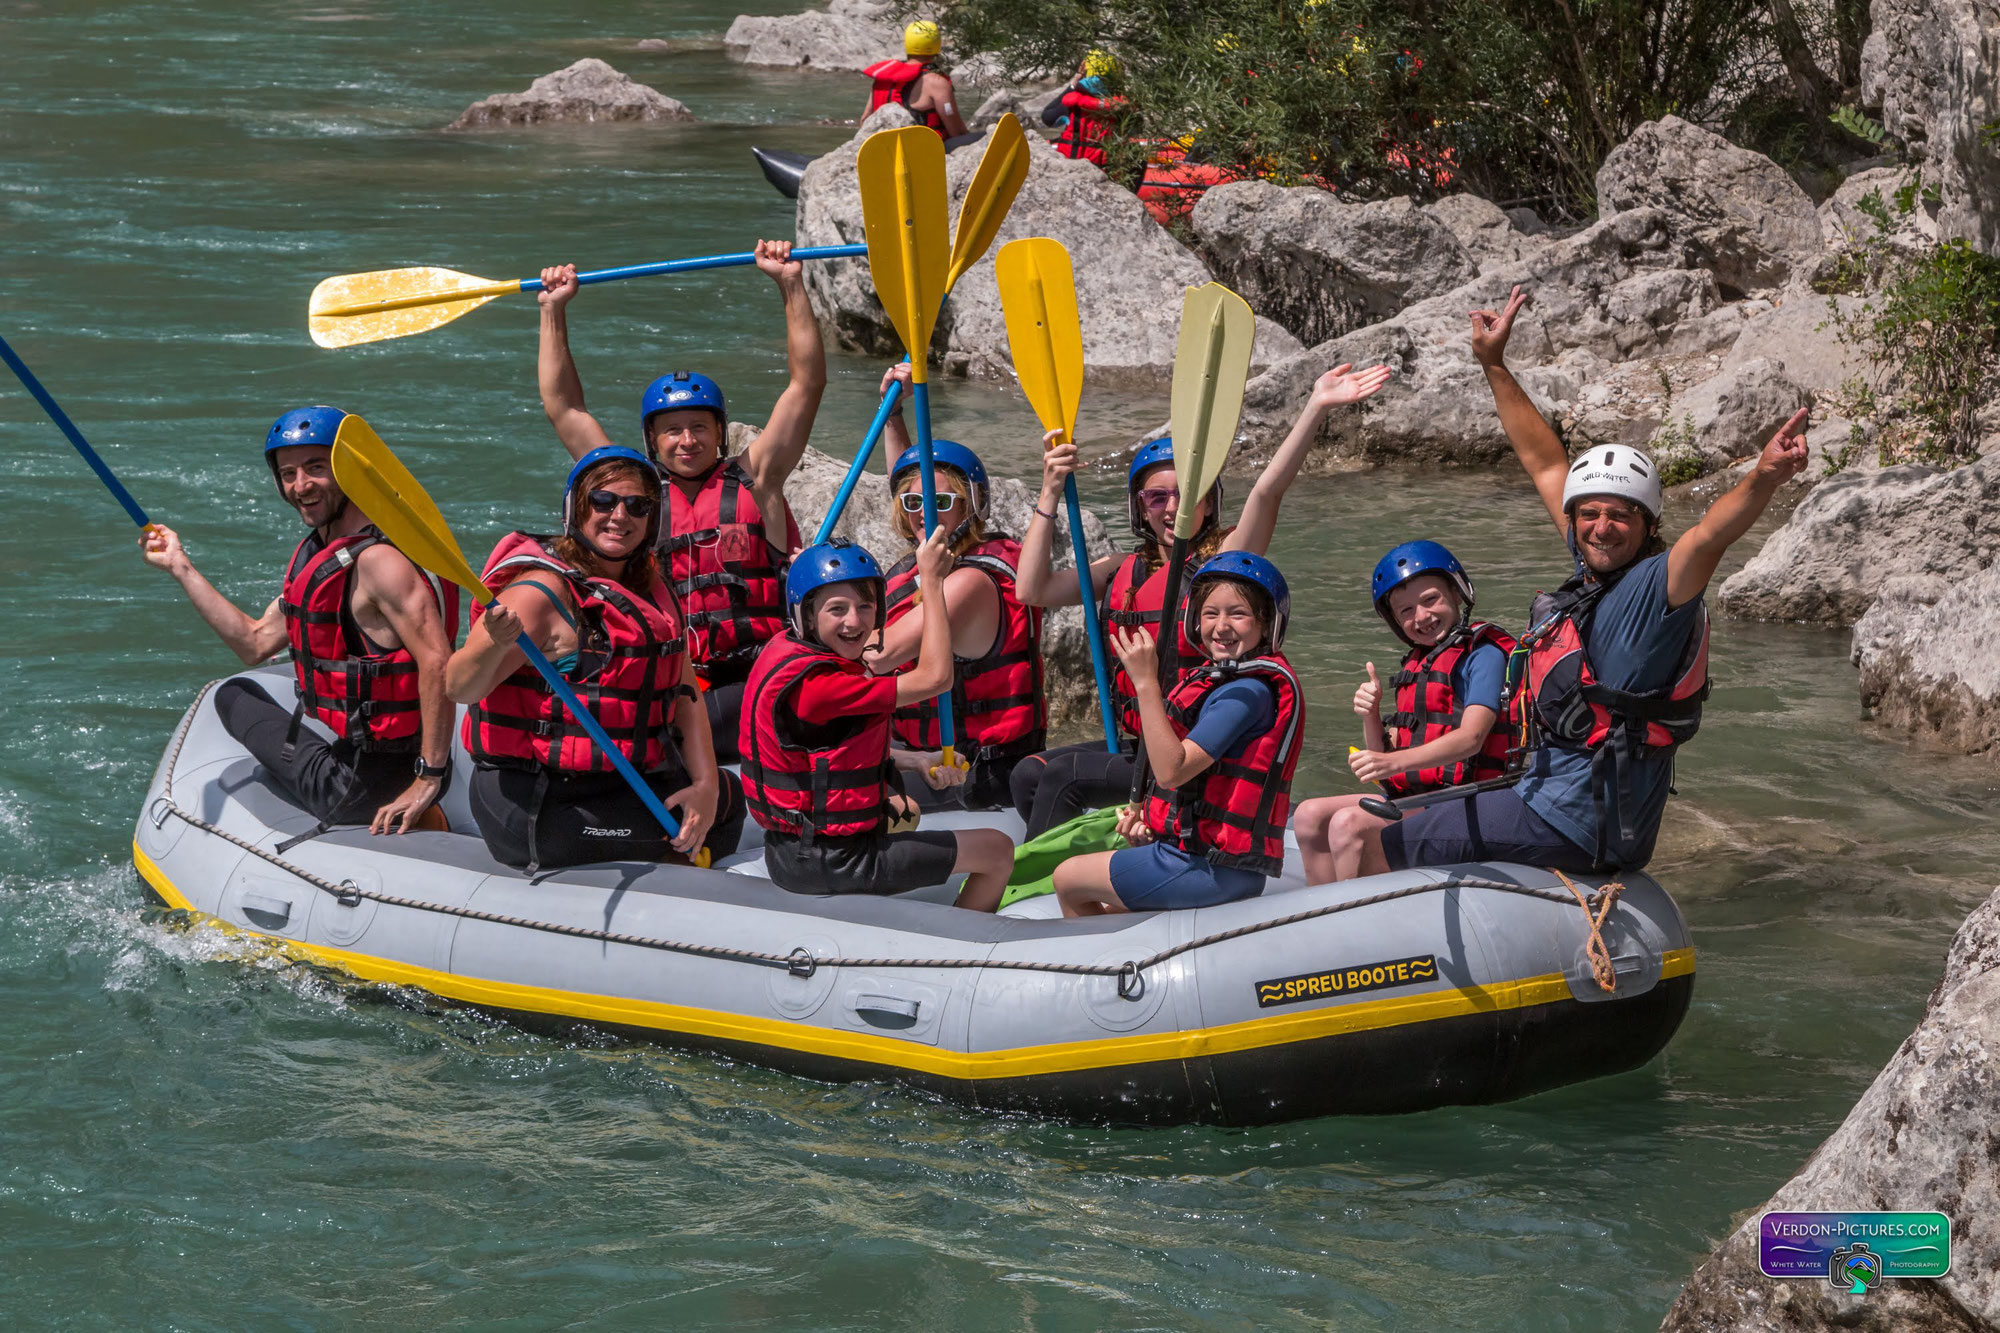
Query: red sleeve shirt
[825, 697]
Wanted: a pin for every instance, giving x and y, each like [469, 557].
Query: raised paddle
[1038, 299]
[68, 428]
[376, 480]
[901, 173]
[1002, 169]
[397, 302]
[1211, 366]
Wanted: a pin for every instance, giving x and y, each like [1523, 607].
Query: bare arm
[1036, 582]
[696, 802]
[490, 654]
[1174, 759]
[388, 584]
[1541, 453]
[936, 94]
[251, 640]
[778, 447]
[932, 674]
[975, 620]
[1692, 561]
[1337, 388]
[1462, 742]
[555, 368]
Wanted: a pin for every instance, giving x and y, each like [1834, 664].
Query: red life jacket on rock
[1234, 814]
[726, 570]
[895, 80]
[1568, 708]
[366, 695]
[810, 788]
[1130, 607]
[1084, 133]
[1427, 708]
[996, 700]
[627, 673]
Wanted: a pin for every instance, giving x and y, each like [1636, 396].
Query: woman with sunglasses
[593, 600]
[1057, 785]
[997, 702]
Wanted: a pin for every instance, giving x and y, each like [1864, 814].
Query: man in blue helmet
[1617, 663]
[728, 531]
[369, 635]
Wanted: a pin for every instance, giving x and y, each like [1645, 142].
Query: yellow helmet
[921, 40]
[1099, 63]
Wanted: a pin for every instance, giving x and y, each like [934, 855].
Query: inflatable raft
[1405, 991]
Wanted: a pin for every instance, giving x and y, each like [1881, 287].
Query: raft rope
[801, 962]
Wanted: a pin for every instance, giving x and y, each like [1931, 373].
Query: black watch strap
[425, 770]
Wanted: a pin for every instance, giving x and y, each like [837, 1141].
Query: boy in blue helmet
[369, 635]
[728, 529]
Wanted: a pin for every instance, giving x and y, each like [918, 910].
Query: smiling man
[1617, 656]
[369, 635]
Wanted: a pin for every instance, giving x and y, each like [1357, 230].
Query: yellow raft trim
[966, 1066]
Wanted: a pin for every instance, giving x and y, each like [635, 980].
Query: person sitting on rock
[728, 529]
[917, 83]
[998, 706]
[1057, 785]
[1450, 696]
[1223, 745]
[1617, 656]
[1085, 109]
[369, 634]
[817, 733]
[595, 603]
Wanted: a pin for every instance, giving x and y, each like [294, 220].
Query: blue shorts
[1156, 877]
[1491, 826]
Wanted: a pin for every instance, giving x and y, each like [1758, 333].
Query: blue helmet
[1259, 573]
[1406, 562]
[301, 425]
[606, 454]
[1151, 455]
[816, 567]
[951, 454]
[676, 391]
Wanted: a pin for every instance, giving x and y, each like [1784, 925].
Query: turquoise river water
[198, 1137]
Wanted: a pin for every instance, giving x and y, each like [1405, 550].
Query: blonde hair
[968, 534]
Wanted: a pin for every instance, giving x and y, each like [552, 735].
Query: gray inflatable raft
[1395, 993]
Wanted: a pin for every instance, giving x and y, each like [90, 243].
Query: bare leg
[1354, 840]
[987, 858]
[1312, 825]
[1083, 886]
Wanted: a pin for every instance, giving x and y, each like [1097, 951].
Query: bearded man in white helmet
[1617, 657]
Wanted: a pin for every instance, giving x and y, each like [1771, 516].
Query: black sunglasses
[638, 506]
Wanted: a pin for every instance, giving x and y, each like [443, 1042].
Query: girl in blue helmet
[1223, 745]
[1447, 725]
[1057, 785]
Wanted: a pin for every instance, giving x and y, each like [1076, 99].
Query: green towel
[1035, 861]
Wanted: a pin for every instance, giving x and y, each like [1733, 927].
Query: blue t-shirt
[1479, 676]
[1235, 713]
[1634, 642]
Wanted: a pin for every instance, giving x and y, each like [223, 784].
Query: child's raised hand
[1344, 385]
[1138, 652]
[1368, 699]
[1058, 463]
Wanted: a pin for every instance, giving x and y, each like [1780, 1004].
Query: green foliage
[1674, 452]
[1860, 126]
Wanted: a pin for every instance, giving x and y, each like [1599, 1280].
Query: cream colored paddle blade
[395, 303]
[1211, 366]
[1038, 299]
[377, 482]
[1003, 168]
[903, 207]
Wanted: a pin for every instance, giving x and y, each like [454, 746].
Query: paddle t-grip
[1381, 808]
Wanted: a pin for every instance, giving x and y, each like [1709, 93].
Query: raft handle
[158, 812]
[348, 894]
[800, 963]
[1131, 982]
[890, 1011]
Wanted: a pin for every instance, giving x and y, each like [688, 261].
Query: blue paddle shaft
[860, 463]
[1091, 630]
[921, 393]
[691, 265]
[68, 427]
[596, 733]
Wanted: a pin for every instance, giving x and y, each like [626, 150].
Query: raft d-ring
[158, 812]
[349, 894]
[801, 964]
[1131, 982]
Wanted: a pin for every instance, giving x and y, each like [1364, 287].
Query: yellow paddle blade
[1002, 169]
[903, 211]
[1038, 298]
[376, 481]
[395, 303]
[1211, 366]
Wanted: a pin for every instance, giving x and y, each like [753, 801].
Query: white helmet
[1614, 470]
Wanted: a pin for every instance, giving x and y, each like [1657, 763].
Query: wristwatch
[425, 770]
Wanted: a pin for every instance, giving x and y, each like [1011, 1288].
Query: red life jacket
[726, 570]
[996, 699]
[1139, 608]
[810, 788]
[1427, 708]
[366, 695]
[1568, 708]
[627, 673]
[1234, 814]
[1084, 133]
[895, 80]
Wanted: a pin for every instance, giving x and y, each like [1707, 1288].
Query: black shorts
[1490, 826]
[546, 823]
[335, 783]
[872, 863]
